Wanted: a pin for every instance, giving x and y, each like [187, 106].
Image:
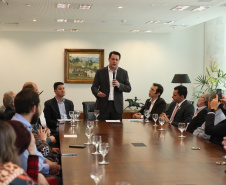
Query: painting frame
[80, 65]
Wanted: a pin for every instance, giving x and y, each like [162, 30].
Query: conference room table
[141, 154]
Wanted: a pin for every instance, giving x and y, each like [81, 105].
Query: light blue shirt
[61, 106]
[43, 166]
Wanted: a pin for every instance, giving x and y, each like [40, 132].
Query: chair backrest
[88, 109]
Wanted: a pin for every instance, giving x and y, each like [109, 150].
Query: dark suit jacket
[101, 83]
[158, 108]
[217, 132]
[52, 112]
[198, 120]
[184, 113]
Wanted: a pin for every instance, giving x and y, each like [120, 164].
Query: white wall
[148, 58]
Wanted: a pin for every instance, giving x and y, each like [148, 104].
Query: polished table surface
[165, 160]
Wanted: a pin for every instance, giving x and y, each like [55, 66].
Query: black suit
[52, 112]
[101, 83]
[217, 132]
[184, 113]
[198, 120]
[158, 108]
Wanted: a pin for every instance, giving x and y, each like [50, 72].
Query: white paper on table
[74, 135]
[61, 120]
[136, 120]
[112, 121]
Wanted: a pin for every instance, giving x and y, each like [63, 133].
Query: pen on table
[69, 154]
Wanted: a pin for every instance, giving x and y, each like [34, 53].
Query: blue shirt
[62, 109]
[43, 166]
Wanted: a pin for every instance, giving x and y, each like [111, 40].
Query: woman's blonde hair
[8, 150]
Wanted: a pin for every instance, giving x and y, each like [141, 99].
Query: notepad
[112, 121]
[71, 135]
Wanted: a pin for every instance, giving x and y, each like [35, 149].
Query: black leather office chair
[88, 109]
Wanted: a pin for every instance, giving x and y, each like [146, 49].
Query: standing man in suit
[154, 104]
[200, 114]
[57, 107]
[180, 110]
[108, 86]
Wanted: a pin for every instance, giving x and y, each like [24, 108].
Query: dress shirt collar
[21, 119]
[179, 104]
[152, 102]
[59, 101]
[112, 71]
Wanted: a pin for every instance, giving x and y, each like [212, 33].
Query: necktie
[174, 112]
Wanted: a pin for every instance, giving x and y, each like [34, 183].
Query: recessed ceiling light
[135, 31]
[180, 8]
[61, 20]
[152, 22]
[169, 22]
[28, 5]
[119, 7]
[63, 5]
[34, 20]
[201, 8]
[84, 7]
[148, 31]
[78, 21]
[74, 30]
[60, 29]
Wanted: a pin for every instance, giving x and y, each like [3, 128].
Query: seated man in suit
[8, 101]
[180, 110]
[223, 103]
[216, 131]
[154, 104]
[57, 107]
[219, 116]
[200, 114]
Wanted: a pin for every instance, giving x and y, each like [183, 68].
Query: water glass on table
[161, 122]
[72, 115]
[103, 149]
[155, 118]
[96, 141]
[96, 173]
[89, 133]
[181, 127]
[96, 114]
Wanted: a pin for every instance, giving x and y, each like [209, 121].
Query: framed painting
[80, 65]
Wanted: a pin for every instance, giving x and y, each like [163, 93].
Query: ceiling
[105, 16]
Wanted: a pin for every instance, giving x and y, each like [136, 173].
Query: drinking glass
[96, 173]
[72, 115]
[77, 113]
[155, 118]
[103, 149]
[96, 141]
[161, 122]
[147, 115]
[181, 127]
[89, 133]
[90, 124]
[96, 114]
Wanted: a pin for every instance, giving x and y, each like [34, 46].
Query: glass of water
[96, 141]
[103, 149]
[155, 118]
[181, 127]
[96, 114]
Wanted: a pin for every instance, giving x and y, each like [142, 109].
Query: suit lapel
[56, 107]
[107, 76]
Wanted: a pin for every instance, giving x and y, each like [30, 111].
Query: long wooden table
[165, 160]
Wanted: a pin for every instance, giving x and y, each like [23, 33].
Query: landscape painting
[81, 64]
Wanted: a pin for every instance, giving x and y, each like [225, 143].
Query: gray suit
[101, 83]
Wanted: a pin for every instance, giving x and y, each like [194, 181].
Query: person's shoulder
[161, 100]
[102, 69]
[50, 101]
[121, 69]
[67, 100]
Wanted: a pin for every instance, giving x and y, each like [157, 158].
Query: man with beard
[26, 105]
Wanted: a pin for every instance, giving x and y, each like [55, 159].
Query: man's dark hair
[160, 88]
[115, 53]
[56, 84]
[25, 100]
[182, 90]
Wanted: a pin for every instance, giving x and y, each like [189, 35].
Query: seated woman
[10, 172]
